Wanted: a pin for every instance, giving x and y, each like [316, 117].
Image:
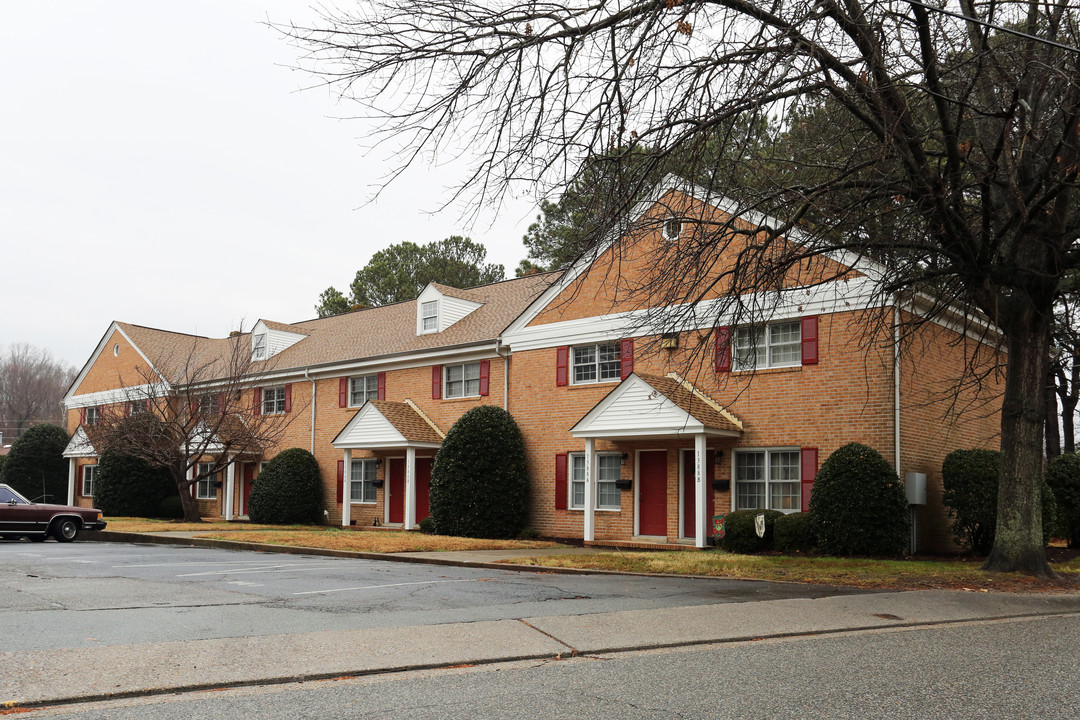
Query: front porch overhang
[384, 425]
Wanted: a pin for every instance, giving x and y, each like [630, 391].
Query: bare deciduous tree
[939, 140]
[32, 384]
[196, 417]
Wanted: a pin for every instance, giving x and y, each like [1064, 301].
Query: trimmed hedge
[1063, 478]
[36, 464]
[127, 486]
[480, 481]
[794, 533]
[288, 490]
[858, 506]
[970, 479]
[740, 534]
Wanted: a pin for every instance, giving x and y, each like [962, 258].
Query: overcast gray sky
[159, 165]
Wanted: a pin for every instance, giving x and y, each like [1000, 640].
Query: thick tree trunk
[1018, 542]
[187, 501]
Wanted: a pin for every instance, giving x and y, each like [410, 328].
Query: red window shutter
[149, 406]
[381, 382]
[340, 480]
[127, 409]
[436, 382]
[562, 366]
[485, 374]
[807, 471]
[723, 349]
[343, 392]
[560, 481]
[256, 408]
[288, 398]
[221, 403]
[626, 357]
[193, 408]
[82, 416]
[809, 340]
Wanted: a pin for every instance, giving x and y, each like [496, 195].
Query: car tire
[66, 529]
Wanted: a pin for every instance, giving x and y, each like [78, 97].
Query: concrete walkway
[54, 677]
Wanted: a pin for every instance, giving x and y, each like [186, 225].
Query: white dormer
[269, 338]
[436, 311]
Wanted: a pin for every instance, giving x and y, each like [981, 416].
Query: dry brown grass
[854, 572]
[144, 525]
[382, 541]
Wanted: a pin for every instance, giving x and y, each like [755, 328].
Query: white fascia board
[688, 430]
[109, 397]
[102, 344]
[853, 295]
[386, 446]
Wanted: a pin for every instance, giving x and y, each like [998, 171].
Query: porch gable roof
[383, 423]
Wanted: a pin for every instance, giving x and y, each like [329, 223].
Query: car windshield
[7, 496]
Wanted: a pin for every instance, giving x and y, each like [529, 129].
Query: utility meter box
[915, 487]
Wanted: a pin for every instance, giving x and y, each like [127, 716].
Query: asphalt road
[1021, 668]
[89, 594]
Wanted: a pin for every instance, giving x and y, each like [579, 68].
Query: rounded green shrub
[740, 533]
[288, 490]
[128, 486]
[1063, 478]
[970, 480]
[171, 508]
[794, 533]
[858, 506]
[36, 465]
[480, 482]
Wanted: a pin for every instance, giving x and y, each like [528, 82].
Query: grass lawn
[856, 572]
[331, 538]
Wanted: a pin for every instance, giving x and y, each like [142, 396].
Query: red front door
[423, 487]
[652, 493]
[689, 497]
[249, 480]
[396, 483]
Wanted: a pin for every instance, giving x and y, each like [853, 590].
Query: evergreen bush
[479, 482]
[740, 533]
[970, 479]
[36, 465]
[128, 486]
[1063, 479]
[794, 533]
[288, 490]
[858, 506]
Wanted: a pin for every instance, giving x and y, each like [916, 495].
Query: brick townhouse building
[632, 436]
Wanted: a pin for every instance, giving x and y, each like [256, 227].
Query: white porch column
[590, 489]
[230, 488]
[71, 481]
[410, 488]
[346, 491]
[701, 490]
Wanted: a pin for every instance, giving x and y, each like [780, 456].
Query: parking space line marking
[373, 587]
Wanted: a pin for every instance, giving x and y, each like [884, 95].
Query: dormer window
[429, 316]
[258, 347]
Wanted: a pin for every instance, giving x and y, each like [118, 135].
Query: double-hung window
[209, 405]
[206, 488]
[596, 363]
[429, 316]
[462, 380]
[362, 389]
[362, 481]
[135, 407]
[258, 347]
[774, 345]
[767, 480]
[273, 400]
[89, 475]
[92, 416]
[608, 469]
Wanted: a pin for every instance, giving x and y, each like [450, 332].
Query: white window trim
[265, 400]
[464, 381]
[368, 394]
[572, 369]
[765, 348]
[92, 416]
[91, 470]
[209, 482]
[363, 462]
[258, 346]
[434, 316]
[768, 480]
[596, 488]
